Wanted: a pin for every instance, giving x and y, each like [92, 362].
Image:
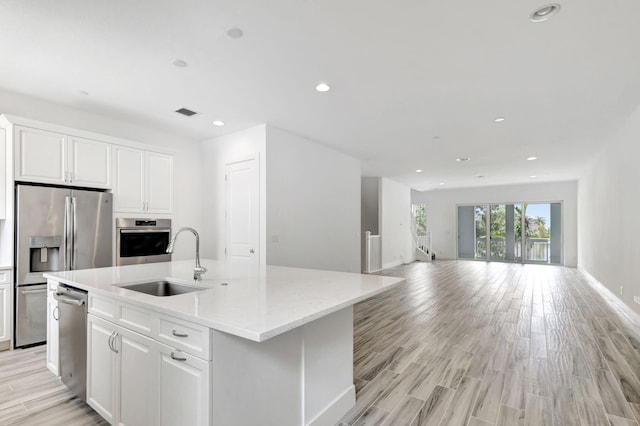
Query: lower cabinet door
[5, 311]
[138, 377]
[102, 364]
[184, 389]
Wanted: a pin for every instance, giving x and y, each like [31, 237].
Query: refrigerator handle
[74, 240]
[66, 238]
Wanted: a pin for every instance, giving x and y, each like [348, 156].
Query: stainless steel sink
[162, 288]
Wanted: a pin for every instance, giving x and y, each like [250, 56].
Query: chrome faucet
[199, 269]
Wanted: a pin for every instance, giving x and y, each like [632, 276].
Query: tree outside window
[420, 219]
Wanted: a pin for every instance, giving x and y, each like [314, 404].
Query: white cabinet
[133, 379]
[41, 156]
[101, 368]
[143, 181]
[53, 315]
[50, 157]
[3, 174]
[158, 183]
[6, 302]
[136, 379]
[89, 163]
[184, 388]
[122, 374]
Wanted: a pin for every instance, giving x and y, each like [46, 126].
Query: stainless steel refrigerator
[57, 229]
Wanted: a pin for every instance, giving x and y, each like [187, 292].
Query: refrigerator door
[92, 229]
[41, 232]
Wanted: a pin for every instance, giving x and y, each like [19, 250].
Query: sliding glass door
[498, 232]
[511, 232]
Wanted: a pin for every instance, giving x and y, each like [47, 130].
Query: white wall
[609, 202]
[187, 187]
[313, 204]
[370, 205]
[441, 211]
[395, 223]
[216, 153]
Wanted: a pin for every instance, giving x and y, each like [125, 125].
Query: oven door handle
[143, 231]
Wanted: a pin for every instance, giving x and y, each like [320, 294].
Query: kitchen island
[266, 345]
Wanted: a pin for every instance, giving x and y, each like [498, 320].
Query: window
[420, 219]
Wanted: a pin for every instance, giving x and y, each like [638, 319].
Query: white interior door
[243, 211]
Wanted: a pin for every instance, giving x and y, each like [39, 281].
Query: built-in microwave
[142, 240]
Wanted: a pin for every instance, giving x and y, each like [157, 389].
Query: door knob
[252, 251]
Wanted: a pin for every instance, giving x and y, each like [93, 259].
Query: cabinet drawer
[186, 336]
[104, 308]
[136, 319]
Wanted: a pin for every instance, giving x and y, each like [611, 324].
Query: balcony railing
[537, 249]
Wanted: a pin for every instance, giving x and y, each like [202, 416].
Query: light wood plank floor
[475, 343]
[461, 343]
[31, 395]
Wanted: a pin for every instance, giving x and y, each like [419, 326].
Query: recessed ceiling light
[218, 123]
[533, 176]
[531, 158]
[323, 87]
[180, 63]
[441, 183]
[462, 159]
[419, 171]
[235, 33]
[545, 12]
[499, 120]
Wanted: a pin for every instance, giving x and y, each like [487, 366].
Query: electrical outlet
[636, 299]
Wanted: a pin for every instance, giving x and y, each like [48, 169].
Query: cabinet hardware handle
[115, 336]
[56, 313]
[177, 358]
[112, 341]
[44, 290]
[179, 334]
[68, 301]
[252, 251]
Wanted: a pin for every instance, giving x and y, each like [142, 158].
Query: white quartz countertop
[256, 303]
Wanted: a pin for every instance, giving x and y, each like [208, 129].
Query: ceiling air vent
[186, 112]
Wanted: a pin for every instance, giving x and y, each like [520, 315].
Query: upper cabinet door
[49, 157]
[41, 156]
[128, 188]
[90, 163]
[158, 183]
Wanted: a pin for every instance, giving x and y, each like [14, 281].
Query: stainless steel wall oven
[142, 240]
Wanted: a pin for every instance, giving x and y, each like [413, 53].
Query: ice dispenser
[45, 253]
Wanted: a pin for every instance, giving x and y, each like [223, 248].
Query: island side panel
[257, 383]
[328, 368]
[301, 377]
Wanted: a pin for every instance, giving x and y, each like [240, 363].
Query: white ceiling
[415, 84]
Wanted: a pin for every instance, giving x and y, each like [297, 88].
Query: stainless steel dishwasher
[72, 305]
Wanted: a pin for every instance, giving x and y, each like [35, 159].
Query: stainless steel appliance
[142, 241]
[72, 322]
[56, 229]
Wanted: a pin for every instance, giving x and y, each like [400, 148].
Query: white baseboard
[611, 296]
[336, 409]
